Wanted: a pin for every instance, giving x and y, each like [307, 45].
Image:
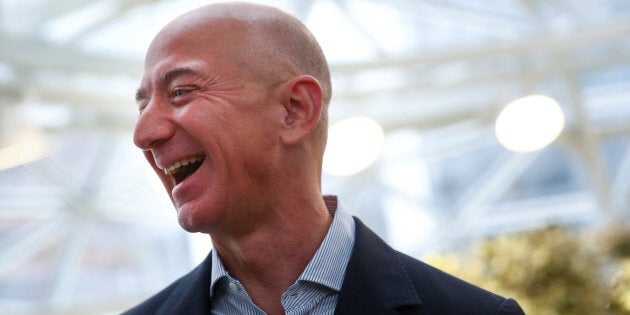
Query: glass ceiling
[84, 230]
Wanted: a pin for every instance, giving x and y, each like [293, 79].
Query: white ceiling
[82, 231]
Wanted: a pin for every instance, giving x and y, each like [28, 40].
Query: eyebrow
[169, 76]
[172, 74]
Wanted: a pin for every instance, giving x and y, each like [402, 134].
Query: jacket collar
[376, 280]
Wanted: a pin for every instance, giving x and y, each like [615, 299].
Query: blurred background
[429, 148]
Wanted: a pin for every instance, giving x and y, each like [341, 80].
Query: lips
[183, 168]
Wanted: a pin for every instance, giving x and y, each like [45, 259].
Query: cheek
[260, 152]
[234, 130]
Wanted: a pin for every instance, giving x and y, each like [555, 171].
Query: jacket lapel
[376, 281]
[192, 294]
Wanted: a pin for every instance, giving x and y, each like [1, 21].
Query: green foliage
[617, 240]
[547, 268]
[551, 271]
[620, 290]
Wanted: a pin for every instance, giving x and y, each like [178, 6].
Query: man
[233, 118]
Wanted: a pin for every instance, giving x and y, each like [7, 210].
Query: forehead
[214, 34]
[211, 42]
[172, 60]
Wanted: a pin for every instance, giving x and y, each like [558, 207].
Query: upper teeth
[173, 168]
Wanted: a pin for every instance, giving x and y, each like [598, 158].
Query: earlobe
[303, 105]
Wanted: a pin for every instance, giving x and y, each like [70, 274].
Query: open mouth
[180, 170]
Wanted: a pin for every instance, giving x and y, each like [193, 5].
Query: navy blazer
[379, 280]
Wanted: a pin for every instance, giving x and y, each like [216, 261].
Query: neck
[271, 257]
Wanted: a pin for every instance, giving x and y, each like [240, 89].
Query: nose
[153, 126]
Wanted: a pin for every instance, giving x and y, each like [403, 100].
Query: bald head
[265, 43]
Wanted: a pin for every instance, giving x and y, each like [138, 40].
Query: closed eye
[181, 91]
[181, 95]
[142, 99]
[141, 107]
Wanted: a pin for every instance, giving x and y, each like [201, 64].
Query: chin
[188, 222]
[193, 221]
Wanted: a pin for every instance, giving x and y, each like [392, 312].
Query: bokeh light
[353, 145]
[529, 123]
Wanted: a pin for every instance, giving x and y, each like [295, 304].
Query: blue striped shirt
[315, 291]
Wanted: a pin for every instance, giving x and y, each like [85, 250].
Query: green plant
[549, 271]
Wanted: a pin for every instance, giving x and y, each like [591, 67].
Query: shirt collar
[328, 265]
[218, 271]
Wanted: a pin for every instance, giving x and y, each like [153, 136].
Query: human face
[209, 133]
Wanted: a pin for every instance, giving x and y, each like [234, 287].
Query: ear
[302, 101]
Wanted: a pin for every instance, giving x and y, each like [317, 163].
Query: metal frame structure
[82, 232]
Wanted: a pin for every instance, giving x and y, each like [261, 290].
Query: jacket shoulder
[441, 291]
[188, 295]
[155, 302]
[381, 278]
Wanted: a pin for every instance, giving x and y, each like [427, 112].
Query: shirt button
[233, 286]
